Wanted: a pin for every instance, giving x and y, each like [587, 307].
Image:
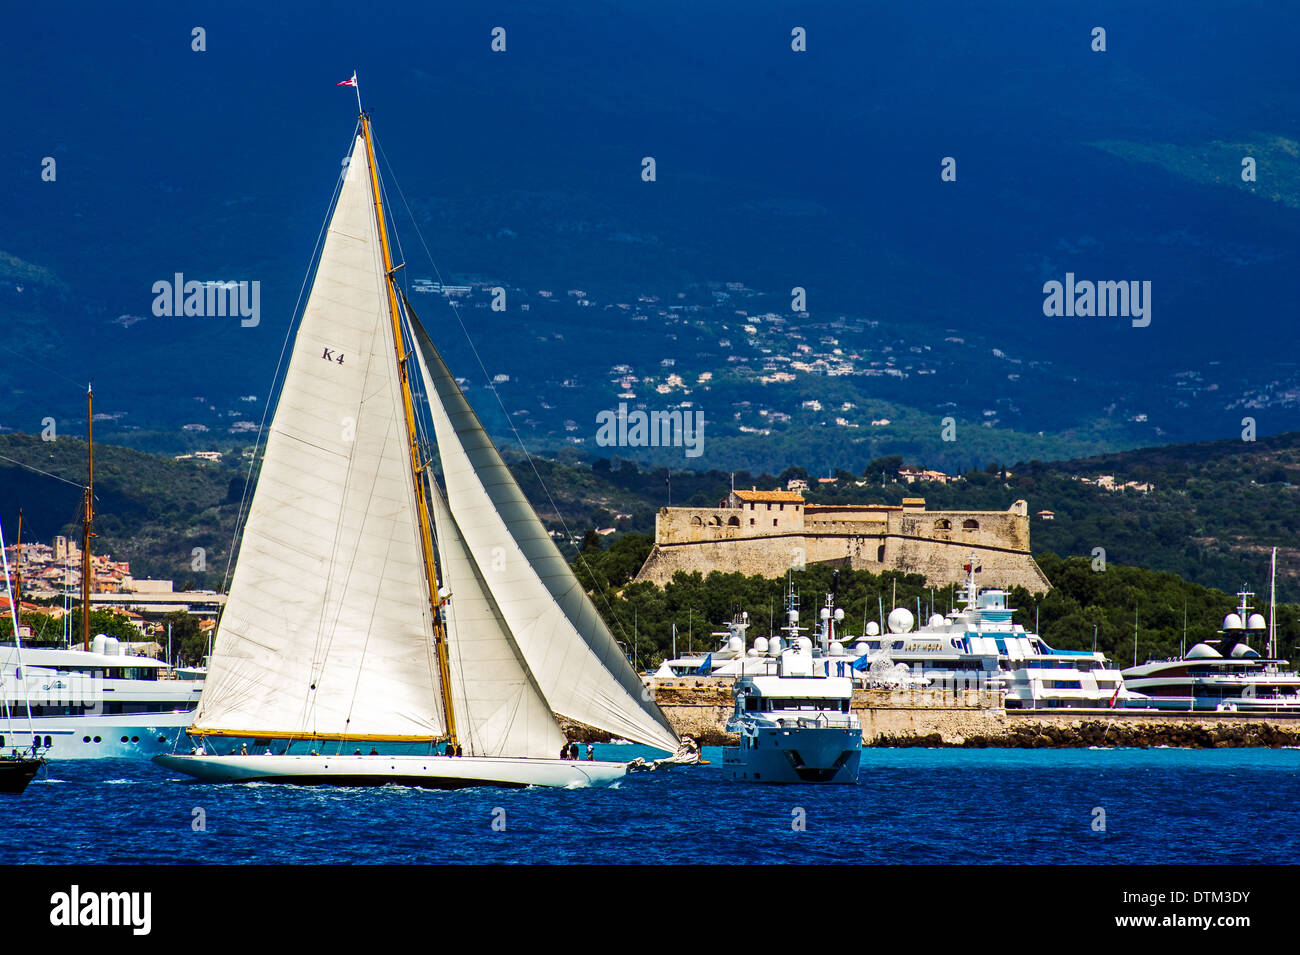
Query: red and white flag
[351, 82]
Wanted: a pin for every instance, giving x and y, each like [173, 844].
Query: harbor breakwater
[699, 707]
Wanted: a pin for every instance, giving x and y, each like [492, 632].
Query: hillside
[1215, 511]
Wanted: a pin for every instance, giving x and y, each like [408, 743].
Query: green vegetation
[642, 615]
[47, 631]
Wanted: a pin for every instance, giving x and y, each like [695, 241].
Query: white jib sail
[499, 709]
[573, 657]
[328, 628]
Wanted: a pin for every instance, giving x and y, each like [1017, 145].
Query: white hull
[138, 736]
[434, 772]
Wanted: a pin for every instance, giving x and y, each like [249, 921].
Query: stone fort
[768, 532]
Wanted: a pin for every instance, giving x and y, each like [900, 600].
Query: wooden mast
[417, 467]
[88, 521]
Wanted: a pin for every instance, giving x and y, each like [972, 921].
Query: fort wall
[750, 535]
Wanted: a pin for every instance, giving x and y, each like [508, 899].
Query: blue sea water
[911, 806]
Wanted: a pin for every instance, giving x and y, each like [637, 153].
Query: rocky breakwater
[1131, 730]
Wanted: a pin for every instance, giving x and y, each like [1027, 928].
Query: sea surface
[910, 806]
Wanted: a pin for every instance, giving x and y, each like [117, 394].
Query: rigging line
[47, 474]
[487, 378]
[43, 367]
[244, 498]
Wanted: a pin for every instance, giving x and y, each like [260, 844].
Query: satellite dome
[860, 648]
[873, 629]
[1256, 622]
[900, 620]
[1203, 651]
[839, 614]
[826, 613]
[936, 620]
[1241, 650]
[774, 647]
[1232, 622]
[736, 645]
[837, 648]
[804, 645]
[760, 645]
[794, 616]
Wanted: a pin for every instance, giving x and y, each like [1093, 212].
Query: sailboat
[377, 620]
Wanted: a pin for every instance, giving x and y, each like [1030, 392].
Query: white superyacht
[795, 724]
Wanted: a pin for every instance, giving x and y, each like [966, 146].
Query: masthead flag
[350, 82]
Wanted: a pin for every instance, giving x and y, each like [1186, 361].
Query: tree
[189, 643]
[106, 622]
[887, 465]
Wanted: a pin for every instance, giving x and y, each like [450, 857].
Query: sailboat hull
[429, 772]
[15, 774]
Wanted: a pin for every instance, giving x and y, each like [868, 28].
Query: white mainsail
[328, 628]
[499, 709]
[573, 657]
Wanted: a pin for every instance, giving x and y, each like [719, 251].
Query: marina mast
[88, 520]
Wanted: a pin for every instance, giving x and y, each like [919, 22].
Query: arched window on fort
[970, 524]
[696, 521]
[715, 521]
[733, 522]
[943, 524]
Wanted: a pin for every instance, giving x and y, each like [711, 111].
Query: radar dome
[804, 645]
[774, 647]
[1202, 651]
[1232, 622]
[1256, 622]
[794, 616]
[860, 648]
[760, 645]
[826, 613]
[839, 614]
[936, 620]
[900, 620]
[873, 629]
[1241, 650]
[735, 645]
[837, 648]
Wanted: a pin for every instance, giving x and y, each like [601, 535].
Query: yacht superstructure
[1230, 677]
[795, 724]
[981, 647]
[93, 704]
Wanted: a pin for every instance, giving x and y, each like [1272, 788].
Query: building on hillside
[770, 532]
